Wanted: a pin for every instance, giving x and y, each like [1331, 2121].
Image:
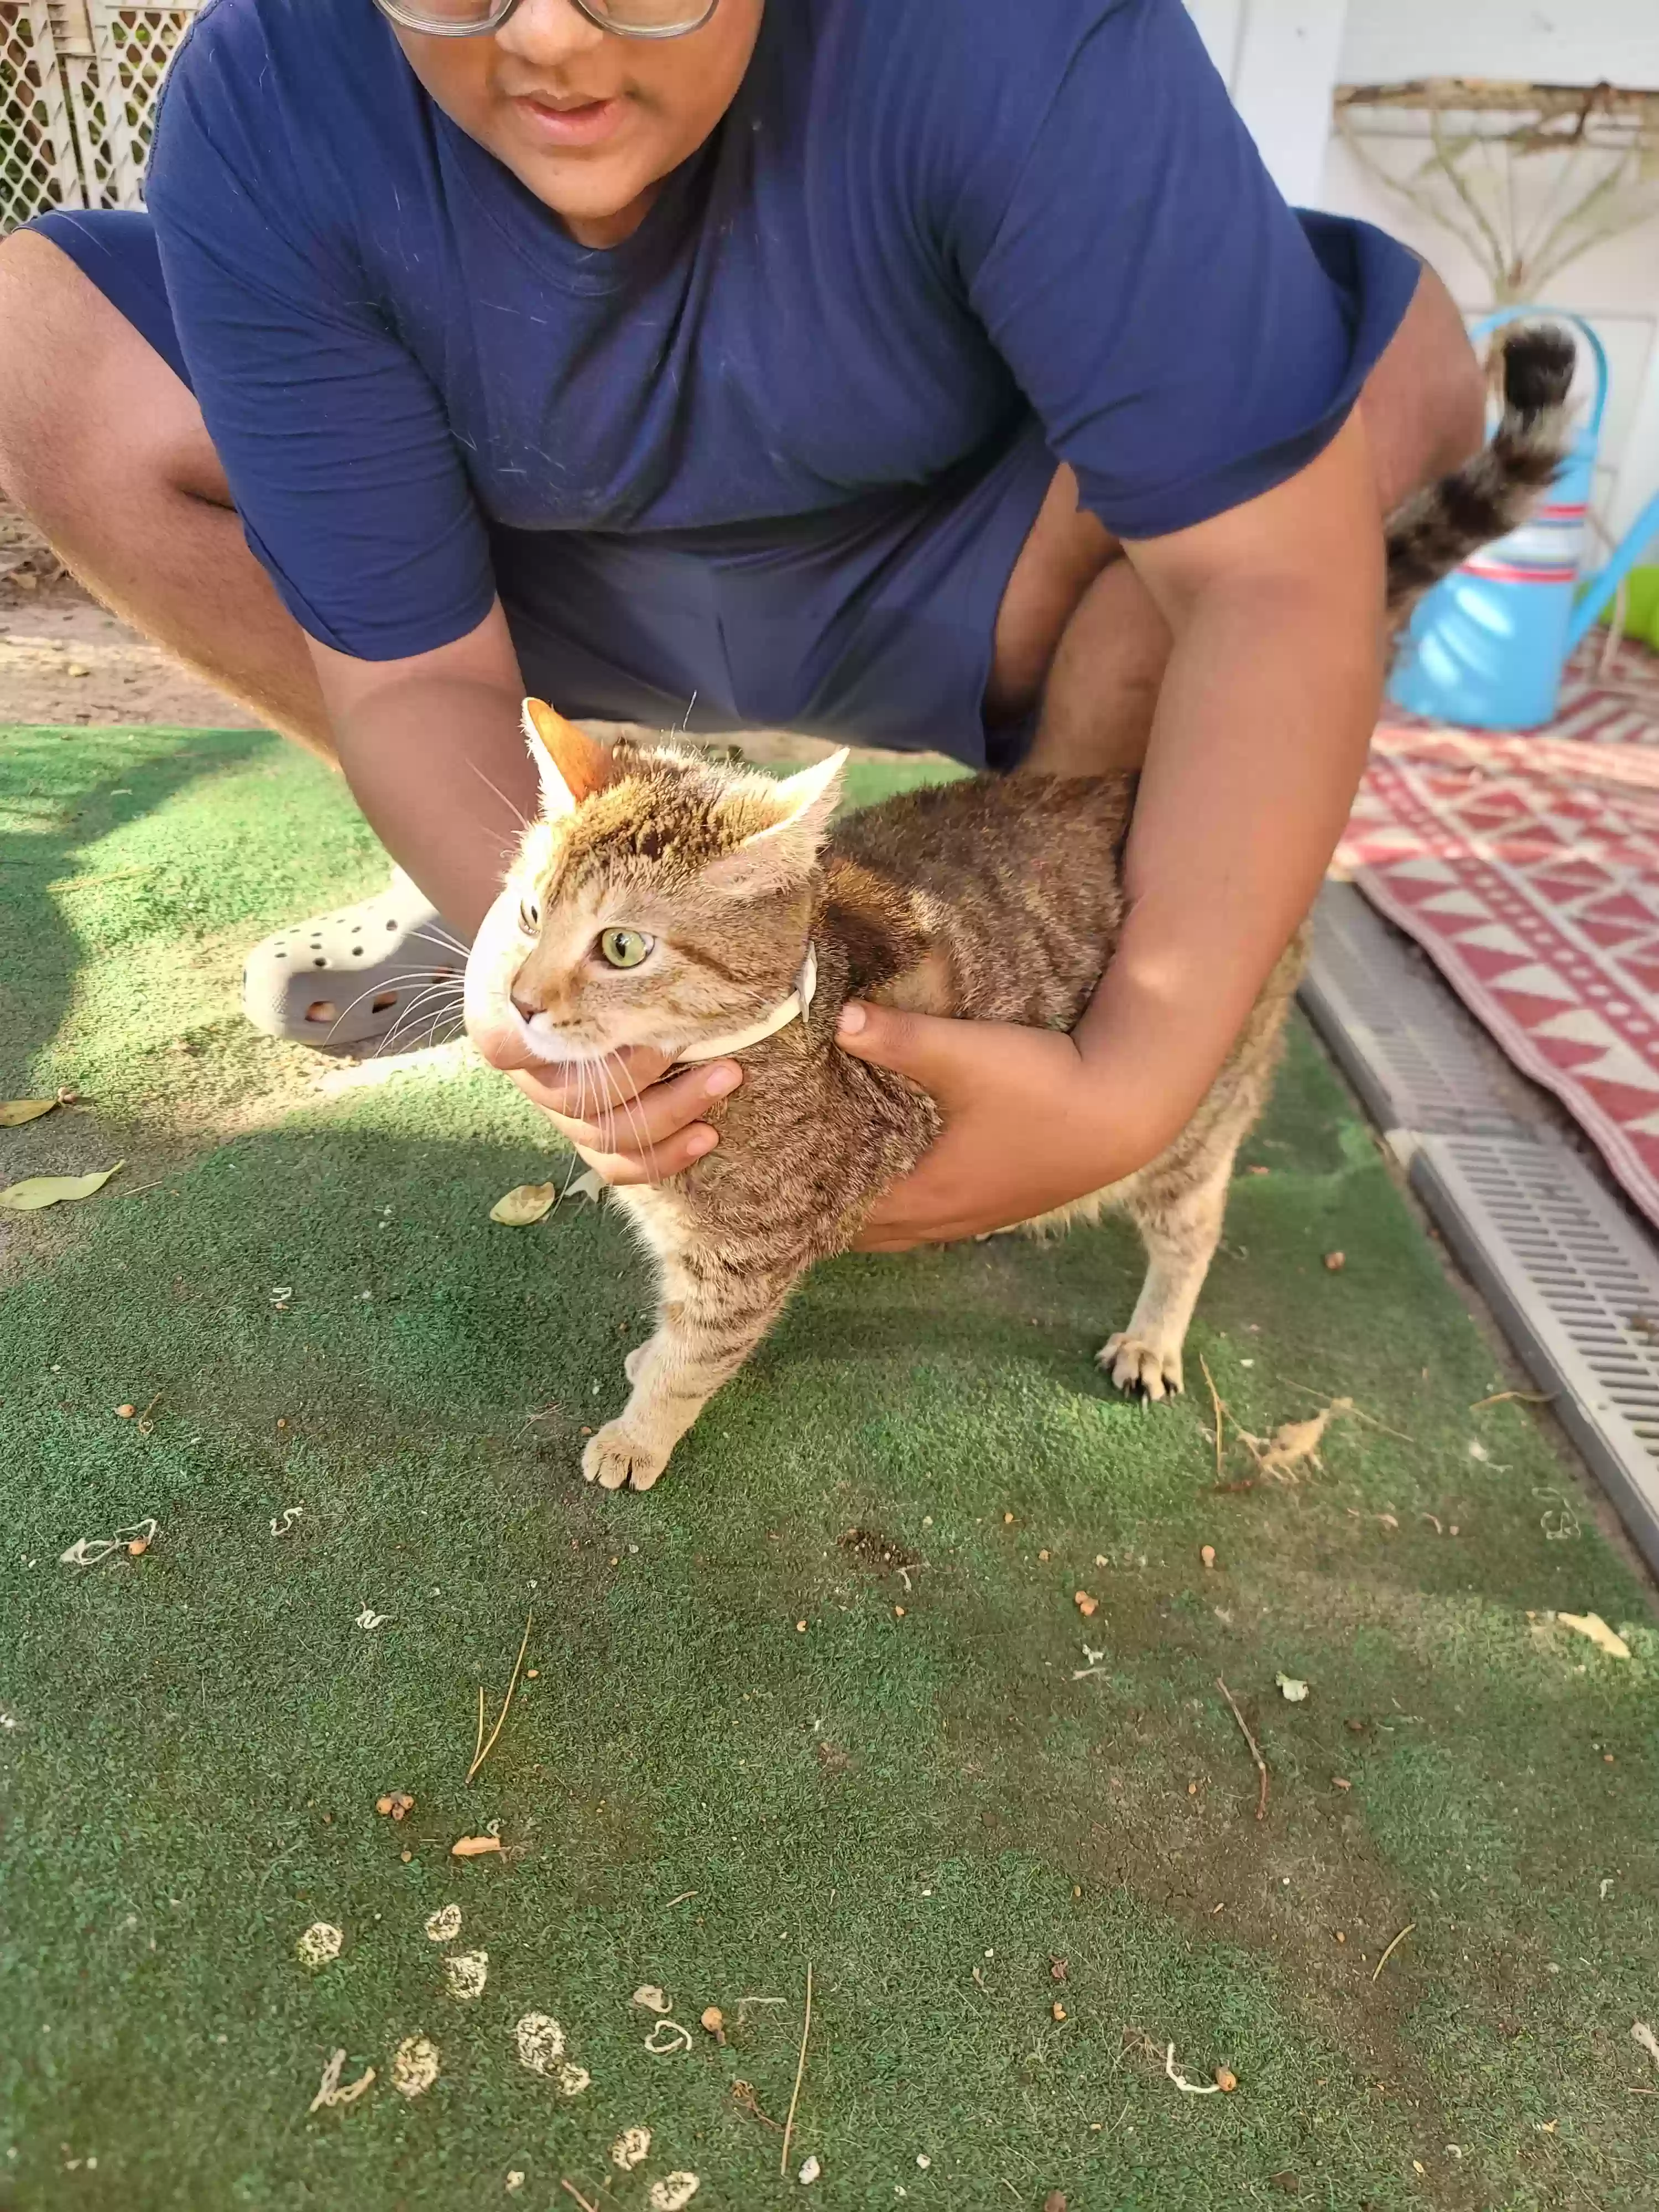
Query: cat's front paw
[614, 1460]
[1141, 1367]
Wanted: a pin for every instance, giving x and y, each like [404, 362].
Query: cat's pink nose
[524, 1004]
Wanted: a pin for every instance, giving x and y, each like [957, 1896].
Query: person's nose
[548, 33]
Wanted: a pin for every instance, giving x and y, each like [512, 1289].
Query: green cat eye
[625, 948]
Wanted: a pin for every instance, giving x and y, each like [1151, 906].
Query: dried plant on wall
[1527, 177]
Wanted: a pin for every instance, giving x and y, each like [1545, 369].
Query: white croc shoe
[387, 970]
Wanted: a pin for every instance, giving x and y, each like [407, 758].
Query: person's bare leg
[1078, 629]
[105, 451]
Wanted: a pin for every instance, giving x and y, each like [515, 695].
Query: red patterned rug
[1527, 867]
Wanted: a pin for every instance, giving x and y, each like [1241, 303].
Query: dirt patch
[878, 1552]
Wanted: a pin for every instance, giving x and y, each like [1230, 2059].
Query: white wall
[1282, 59]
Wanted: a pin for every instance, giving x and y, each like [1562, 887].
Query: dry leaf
[1593, 1626]
[541, 2042]
[713, 2018]
[467, 1971]
[444, 1925]
[526, 1204]
[1225, 2080]
[1642, 2033]
[650, 1998]
[810, 2170]
[13, 1112]
[36, 1191]
[673, 2192]
[631, 2146]
[319, 1944]
[1297, 1441]
[474, 1847]
[414, 2066]
[573, 2080]
[591, 1186]
[1294, 1693]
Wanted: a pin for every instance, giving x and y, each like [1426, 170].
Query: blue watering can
[1487, 648]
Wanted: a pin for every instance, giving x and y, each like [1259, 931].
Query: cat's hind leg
[1178, 1207]
[712, 1318]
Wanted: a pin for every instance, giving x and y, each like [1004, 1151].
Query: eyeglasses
[627, 19]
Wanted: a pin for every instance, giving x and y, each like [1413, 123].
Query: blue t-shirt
[921, 225]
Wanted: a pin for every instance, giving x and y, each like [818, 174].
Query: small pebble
[898, 1613]
[1207, 1554]
[138, 1546]
[1085, 1605]
[1336, 1262]
[126, 1413]
[1058, 2010]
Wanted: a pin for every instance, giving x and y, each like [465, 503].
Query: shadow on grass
[51, 809]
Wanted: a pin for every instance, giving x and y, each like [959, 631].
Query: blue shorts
[872, 623]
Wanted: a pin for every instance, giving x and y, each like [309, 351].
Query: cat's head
[662, 899]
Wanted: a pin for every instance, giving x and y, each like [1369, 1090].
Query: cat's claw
[1141, 1369]
[614, 1460]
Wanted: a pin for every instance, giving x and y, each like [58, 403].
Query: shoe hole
[357, 951]
[392, 925]
[319, 962]
[281, 956]
[386, 1000]
[321, 1010]
[357, 929]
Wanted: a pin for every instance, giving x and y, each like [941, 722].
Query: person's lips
[571, 122]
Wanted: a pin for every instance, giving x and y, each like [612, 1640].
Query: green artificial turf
[942, 1807]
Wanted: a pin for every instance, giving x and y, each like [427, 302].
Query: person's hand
[1029, 1125]
[628, 1125]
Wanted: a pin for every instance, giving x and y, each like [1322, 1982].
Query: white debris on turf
[90, 1551]
[329, 2091]
[573, 2080]
[632, 2145]
[515, 2181]
[368, 1618]
[1187, 2089]
[320, 1944]
[444, 1925]
[673, 2192]
[541, 2041]
[281, 1523]
[809, 2171]
[414, 2066]
[650, 1998]
[1642, 2033]
[1294, 1693]
[468, 1971]
[679, 2038]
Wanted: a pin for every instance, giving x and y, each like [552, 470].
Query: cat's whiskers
[517, 812]
[376, 990]
[448, 996]
[444, 941]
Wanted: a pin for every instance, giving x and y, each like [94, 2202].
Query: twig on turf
[681, 1898]
[800, 2070]
[481, 1756]
[571, 2189]
[1358, 1412]
[477, 1740]
[1215, 1401]
[1255, 1748]
[1393, 1947]
[1521, 1397]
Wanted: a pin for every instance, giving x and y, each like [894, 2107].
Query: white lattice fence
[38, 164]
[78, 82]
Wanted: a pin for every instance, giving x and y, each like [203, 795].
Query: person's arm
[1257, 747]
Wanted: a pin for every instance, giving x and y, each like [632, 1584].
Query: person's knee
[1425, 402]
[87, 406]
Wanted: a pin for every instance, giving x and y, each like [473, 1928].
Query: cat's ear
[786, 846]
[571, 766]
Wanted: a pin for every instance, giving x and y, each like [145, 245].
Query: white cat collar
[793, 1009]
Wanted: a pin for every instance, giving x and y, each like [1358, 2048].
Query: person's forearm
[439, 769]
[1260, 739]
[435, 757]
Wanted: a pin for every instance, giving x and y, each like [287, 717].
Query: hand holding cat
[1029, 1125]
[625, 1123]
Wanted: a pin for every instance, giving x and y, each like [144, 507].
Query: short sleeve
[335, 443]
[1164, 311]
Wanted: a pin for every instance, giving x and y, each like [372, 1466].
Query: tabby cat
[666, 900]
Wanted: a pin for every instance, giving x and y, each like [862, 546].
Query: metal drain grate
[1391, 1029]
[1576, 1289]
